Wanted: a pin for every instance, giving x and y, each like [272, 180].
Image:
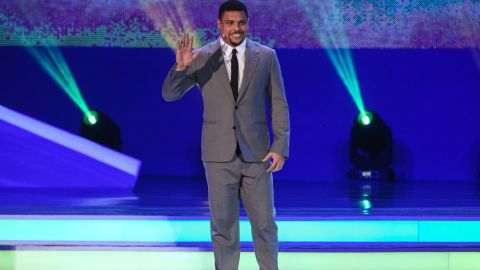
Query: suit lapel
[251, 62]
[216, 60]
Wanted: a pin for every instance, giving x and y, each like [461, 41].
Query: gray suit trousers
[228, 182]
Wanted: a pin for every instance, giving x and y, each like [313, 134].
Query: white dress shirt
[227, 57]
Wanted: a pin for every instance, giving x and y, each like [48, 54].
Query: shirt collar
[227, 49]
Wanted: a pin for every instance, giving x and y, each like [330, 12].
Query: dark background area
[430, 99]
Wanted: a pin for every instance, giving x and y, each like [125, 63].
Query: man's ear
[219, 23]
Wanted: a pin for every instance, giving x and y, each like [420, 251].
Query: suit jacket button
[236, 107]
[234, 127]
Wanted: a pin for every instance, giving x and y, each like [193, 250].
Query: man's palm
[184, 55]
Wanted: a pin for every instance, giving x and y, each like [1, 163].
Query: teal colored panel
[449, 231]
[199, 231]
[60, 230]
[166, 231]
[105, 230]
[348, 231]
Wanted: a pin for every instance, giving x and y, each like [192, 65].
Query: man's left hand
[277, 161]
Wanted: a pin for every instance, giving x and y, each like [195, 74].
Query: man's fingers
[279, 166]
[272, 166]
[190, 44]
[184, 41]
[270, 169]
[277, 162]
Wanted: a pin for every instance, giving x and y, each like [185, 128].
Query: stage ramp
[34, 154]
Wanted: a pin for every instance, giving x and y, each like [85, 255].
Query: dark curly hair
[232, 5]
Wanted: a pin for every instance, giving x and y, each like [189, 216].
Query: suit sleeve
[177, 83]
[278, 106]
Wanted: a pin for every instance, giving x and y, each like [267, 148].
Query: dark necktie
[234, 74]
[234, 85]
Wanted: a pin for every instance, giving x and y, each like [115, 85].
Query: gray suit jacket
[226, 121]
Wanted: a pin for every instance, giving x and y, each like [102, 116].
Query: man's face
[234, 27]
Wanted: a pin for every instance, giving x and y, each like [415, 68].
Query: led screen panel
[280, 24]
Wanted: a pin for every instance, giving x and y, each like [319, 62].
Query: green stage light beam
[65, 71]
[337, 47]
[54, 64]
[333, 38]
[51, 60]
[57, 68]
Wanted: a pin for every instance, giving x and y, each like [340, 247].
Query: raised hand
[184, 55]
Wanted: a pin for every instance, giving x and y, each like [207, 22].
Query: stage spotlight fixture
[98, 127]
[91, 118]
[365, 118]
[371, 149]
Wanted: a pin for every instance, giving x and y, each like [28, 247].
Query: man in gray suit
[238, 78]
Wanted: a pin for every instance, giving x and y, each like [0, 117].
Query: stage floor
[164, 225]
[176, 196]
[194, 260]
